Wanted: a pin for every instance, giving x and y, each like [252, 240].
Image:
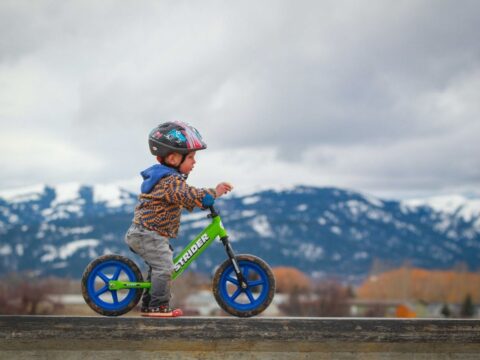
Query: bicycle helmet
[175, 136]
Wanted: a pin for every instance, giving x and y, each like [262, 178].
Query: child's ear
[173, 159]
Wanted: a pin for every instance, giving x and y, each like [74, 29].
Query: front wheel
[251, 301]
[95, 282]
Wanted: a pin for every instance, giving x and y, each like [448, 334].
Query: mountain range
[58, 230]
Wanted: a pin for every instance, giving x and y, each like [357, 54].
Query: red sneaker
[161, 311]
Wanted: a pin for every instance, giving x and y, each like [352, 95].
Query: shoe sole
[160, 315]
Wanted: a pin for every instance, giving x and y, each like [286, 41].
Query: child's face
[188, 163]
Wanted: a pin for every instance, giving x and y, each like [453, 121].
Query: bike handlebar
[213, 211]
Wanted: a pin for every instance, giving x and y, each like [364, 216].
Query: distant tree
[189, 283]
[404, 311]
[376, 310]
[23, 294]
[294, 306]
[468, 309]
[421, 284]
[329, 298]
[350, 292]
[446, 311]
[332, 299]
[290, 279]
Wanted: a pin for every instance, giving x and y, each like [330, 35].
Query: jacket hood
[152, 176]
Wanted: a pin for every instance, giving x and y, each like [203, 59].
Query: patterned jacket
[160, 209]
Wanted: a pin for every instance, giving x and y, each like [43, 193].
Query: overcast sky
[376, 96]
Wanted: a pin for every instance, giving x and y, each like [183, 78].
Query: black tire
[261, 284]
[98, 300]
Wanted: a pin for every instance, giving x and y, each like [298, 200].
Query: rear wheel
[95, 288]
[252, 300]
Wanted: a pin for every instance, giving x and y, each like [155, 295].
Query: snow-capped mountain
[58, 230]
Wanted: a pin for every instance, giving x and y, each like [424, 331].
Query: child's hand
[223, 188]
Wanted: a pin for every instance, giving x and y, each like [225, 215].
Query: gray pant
[157, 253]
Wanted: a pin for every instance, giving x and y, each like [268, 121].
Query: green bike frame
[189, 253]
[198, 246]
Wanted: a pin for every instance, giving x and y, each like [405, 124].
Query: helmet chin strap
[185, 176]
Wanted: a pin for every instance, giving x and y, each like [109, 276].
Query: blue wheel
[95, 288]
[249, 301]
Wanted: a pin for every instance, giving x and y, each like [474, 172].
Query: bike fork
[236, 267]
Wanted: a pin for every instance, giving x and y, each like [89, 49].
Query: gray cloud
[380, 96]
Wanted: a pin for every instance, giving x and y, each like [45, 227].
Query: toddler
[164, 193]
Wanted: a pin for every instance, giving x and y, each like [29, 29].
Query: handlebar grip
[208, 200]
